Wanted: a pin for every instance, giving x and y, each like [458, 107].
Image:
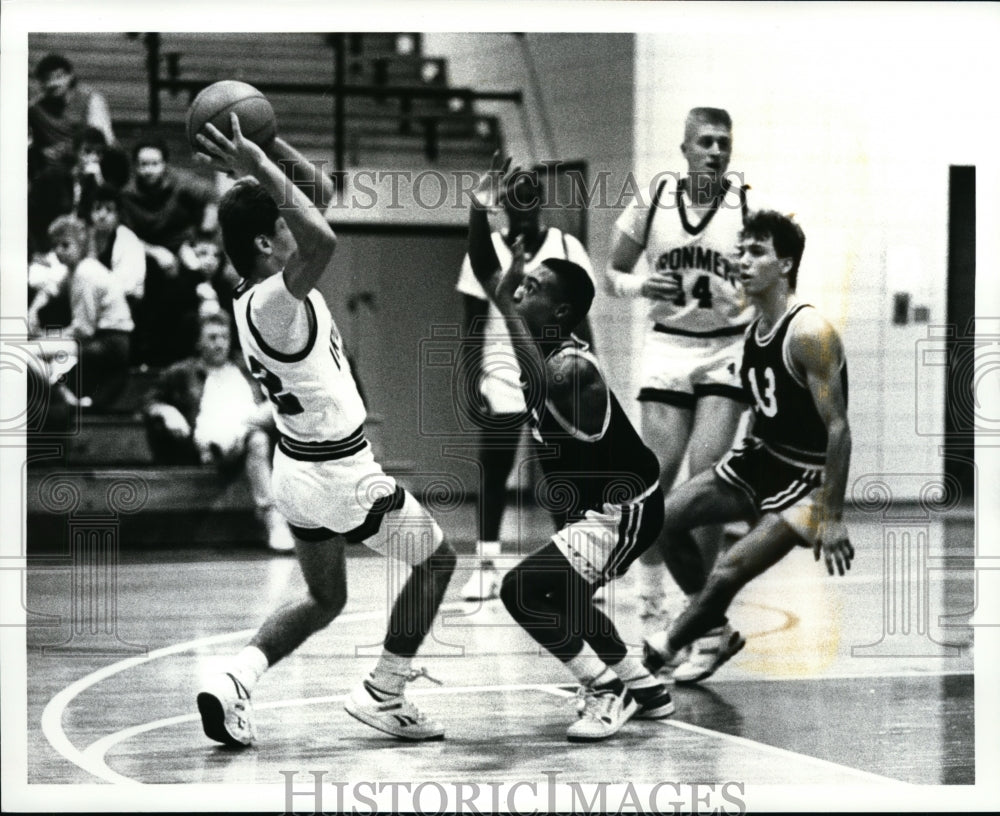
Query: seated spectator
[208, 410]
[65, 187]
[46, 274]
[64, 107]
[203, 257]
[100, 318]
[116, 246]
[165, 207]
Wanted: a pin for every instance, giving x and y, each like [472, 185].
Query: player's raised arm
[500, 285]
[315, 239]
[308, 177]
[482, 254]
[816, 347]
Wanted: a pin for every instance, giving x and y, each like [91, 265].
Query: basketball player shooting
[325, 480]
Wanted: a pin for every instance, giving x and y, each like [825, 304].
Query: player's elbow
[320, 256]
[324, 247]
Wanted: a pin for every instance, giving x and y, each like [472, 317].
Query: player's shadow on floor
[704, 706]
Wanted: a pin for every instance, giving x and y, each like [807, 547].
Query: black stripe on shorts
[679, 399]
[325, 450]
[368, 528]
[732, 392]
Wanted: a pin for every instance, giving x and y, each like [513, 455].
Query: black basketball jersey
[785, 415]
[583, 472]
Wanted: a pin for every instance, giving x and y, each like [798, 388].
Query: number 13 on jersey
[768, 403]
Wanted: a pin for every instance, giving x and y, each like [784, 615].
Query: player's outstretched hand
[488, 189]
[833, 541]
[238, 156]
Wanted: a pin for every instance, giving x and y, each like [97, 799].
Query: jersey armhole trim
[567, 426]
[652, 211]
[786, 353]
[281, 356]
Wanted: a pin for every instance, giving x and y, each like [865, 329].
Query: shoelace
[710, 643]
[409, 677]
[592, 702]
[416, 674]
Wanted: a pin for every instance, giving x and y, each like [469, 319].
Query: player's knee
[673, 515]
[258, 445]
[700, 460]
[509, 594]
[330, 602]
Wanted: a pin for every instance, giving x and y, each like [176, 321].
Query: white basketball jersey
[313, 395]
[698, 249]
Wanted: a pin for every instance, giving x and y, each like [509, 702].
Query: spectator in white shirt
[100, 317]
[208, 410]
[116, 246]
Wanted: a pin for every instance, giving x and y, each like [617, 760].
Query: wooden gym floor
[843, 681]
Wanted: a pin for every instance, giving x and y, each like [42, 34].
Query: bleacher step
[144, 488]
[115, 64]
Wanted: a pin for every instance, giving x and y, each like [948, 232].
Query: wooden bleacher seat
[378, 131]
[178, 503]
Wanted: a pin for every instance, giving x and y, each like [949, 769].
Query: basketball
[215, 103]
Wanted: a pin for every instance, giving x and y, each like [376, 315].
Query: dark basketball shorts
[604, 543]
[774, 484]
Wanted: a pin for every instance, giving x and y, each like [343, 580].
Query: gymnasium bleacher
[407, 117]
[433, 125]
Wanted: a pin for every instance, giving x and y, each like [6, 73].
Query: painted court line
[784, 753]
[91, 759]
[754, 745]
[52, 716]
[94, 755]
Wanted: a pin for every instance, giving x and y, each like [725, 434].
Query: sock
[634, 675]
[487, 551]
[587, 667]
[389, 675]
[608, 680]
[249, 665]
